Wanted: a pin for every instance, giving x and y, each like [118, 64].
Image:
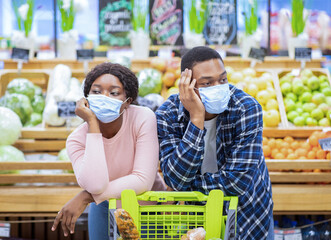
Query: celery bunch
[197, 15]
[251, 18]
[298, 22]
[139, 14]
[25, 24]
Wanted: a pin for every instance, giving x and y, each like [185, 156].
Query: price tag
[325, 144]
[302, 54]
[257, 53]
[278, 234]
[4, 229]
[66, 109]
[20, 54]
[85, 54]
[292, 234]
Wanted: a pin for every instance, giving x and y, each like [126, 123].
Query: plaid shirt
[241, 171]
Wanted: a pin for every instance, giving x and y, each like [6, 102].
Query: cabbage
[63, 155]
[22, 86]
[37, 90]
[38, 104]
[156, 98]
[35, 119]
[10, 154]
[122, 60]
[10, 126]
[150, 81]
[20, 104]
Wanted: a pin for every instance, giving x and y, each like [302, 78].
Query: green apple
[305, 115]
[299, 110]
[328, 100]
[292, 115]
[306, 73]
[328, 115]
[324, 122]
[318, 98]
[306, 89]
[309, 107]
[271, 118]
[272, 92]
[324, 85]
[326, 91]
[272, 104]
[322, 78]
[249, 72]
[289, 105]
[298, 88]
[299, 104]
[286, 88]
[299, 121]
[291, 96]
[324, 107]
[285, 79]
[313, 83]
[317, 114]
[311, 121]
[262, 96]
[306, 97]
[296, 80]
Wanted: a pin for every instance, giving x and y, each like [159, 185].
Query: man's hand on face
[190, 99]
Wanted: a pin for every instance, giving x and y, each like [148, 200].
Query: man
[211, 138]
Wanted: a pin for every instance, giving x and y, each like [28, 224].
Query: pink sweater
[129, 160]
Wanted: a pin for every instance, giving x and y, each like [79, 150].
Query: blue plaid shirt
[241, 171]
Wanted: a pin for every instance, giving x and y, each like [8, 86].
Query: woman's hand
[83, 111]
[190, 99]
[71, 211]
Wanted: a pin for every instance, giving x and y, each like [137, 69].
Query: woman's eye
[96, 92]
[114, 93]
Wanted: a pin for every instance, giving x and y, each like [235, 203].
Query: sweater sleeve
[88, 161]
[145, 165]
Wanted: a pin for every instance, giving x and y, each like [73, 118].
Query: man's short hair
[196, 55]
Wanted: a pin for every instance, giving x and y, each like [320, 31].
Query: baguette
[126, 226]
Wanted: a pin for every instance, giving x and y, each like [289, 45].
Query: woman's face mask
[105, 108]
[215, 98]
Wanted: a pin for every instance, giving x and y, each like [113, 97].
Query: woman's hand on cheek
[83, 111]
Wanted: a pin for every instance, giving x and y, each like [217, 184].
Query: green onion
[139, 12]
[27, 24]
[67, 16]
[251, 18]
[197, 16]
[298, 22]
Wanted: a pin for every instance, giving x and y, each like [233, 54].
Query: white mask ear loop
[124, 108]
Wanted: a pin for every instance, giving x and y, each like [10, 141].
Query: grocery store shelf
[301, 198]
[295, 132]
[278, 164]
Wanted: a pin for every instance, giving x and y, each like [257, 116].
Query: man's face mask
[106, 109]
[215, 98]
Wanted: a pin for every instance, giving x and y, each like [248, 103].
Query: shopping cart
[168, 221]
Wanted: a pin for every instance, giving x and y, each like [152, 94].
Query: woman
[115, 149]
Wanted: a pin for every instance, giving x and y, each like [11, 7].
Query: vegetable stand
[166, 221]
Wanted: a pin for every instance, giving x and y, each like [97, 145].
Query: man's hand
[190, 99]
[71, 211]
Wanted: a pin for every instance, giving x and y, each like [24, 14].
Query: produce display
[10, 130]
[307, 98]
[259, 85]
[26, 100]
[61, 87]
[290, 148]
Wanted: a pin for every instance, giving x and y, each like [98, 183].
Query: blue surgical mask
[215, 98]
[106, 109]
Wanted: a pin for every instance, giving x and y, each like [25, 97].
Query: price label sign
[66, 109]
[20, 54]
[85, 54]
[257, 53]
[302, 54]
[4, 229]
[325, 144]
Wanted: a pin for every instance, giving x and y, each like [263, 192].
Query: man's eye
[224, 80]
[206, 84]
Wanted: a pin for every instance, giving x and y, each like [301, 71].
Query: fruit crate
[281, 73]
[167, 221]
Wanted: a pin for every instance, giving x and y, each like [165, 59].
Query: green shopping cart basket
[166, 221]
